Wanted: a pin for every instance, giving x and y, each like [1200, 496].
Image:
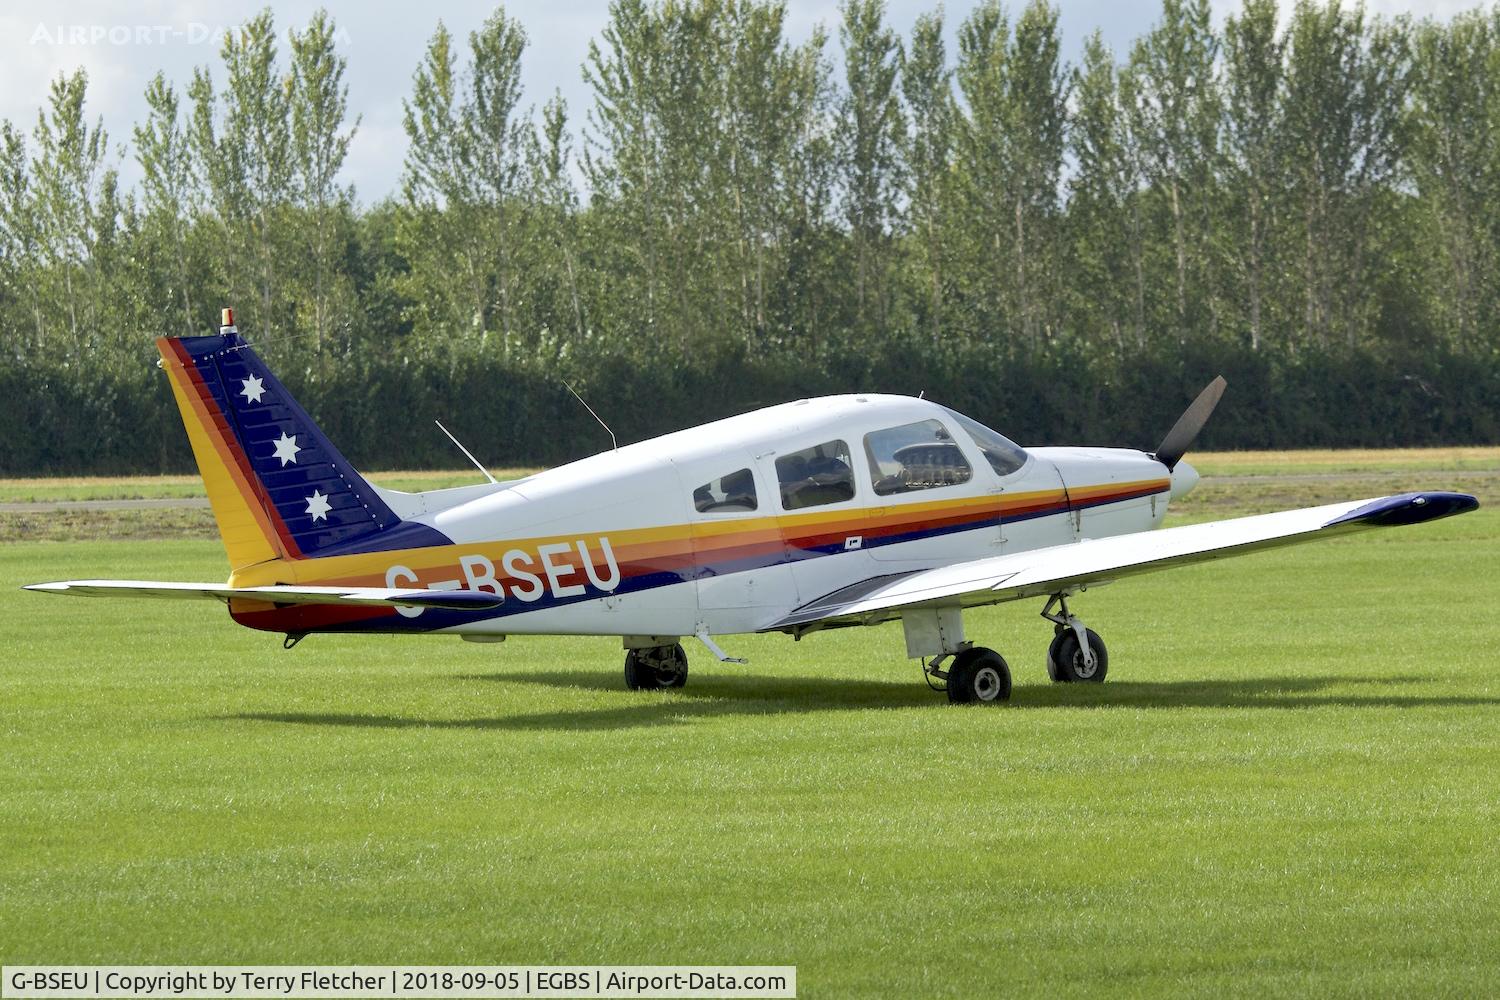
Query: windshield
[1003, 454]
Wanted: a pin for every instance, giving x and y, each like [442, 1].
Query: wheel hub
[987, 683]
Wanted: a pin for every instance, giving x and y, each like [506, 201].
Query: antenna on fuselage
[596, 416]
[467, 454]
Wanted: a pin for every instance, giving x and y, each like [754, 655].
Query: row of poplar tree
[1308, 200]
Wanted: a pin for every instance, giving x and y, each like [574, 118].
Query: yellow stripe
[1105, 489]
[634, 544]
[240, 520]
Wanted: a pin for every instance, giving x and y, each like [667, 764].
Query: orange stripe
[217, 425]
[241, 520]
[1104, 491]
[677, 545]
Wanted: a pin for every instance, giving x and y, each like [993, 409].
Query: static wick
[596, 416]
[467, 454]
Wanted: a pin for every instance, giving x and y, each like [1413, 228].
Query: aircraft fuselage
[727, 527]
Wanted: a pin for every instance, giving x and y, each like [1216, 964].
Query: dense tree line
[1307, 203]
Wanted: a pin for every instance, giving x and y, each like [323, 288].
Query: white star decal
[317, 506]
[286, 448]
[252, 389]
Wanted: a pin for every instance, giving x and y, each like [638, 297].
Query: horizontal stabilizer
[455, 600]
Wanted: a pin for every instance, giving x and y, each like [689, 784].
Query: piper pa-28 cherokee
[823, 513]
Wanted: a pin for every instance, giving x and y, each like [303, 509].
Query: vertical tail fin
[278, 487]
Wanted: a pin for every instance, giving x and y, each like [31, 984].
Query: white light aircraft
[817, 514]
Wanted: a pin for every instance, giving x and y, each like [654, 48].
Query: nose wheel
[1077, 654]
[1069, 663]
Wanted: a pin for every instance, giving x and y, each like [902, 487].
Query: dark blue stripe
[433, 619]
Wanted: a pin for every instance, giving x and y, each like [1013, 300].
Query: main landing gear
[974, 674]
[977, 674]
[653, 668]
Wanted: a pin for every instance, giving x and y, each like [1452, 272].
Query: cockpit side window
[728, 493]
[815, 476]
[911, 457]
[1003, 454]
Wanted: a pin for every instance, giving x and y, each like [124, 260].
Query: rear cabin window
[911, 457]
[729, 493]
[815, 476]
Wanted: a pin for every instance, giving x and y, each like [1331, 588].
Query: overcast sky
[123, 45]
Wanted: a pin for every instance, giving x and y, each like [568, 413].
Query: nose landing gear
[1077, 654]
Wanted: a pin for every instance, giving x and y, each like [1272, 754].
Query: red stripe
[308, 618]
[221, 425]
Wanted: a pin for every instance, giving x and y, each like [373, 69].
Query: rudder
[278, 487]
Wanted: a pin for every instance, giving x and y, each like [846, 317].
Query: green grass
[1288, 786]
[1322, 461]
[53, 489]
[86, 526]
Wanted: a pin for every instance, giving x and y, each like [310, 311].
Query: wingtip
[46, 588]
[1408, 508]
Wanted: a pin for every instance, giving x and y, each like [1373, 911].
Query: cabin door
[737, 561]
[937, 507]
[823, 514]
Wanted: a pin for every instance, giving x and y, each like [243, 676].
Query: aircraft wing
[1065, 568]
[460, 600]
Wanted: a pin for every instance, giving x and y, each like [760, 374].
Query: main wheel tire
[1054, 672]
[656, 669]
[638, 676]
[675, 674]
[978, 675]
[1072, 666]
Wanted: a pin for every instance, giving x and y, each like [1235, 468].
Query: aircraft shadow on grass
[760, 695]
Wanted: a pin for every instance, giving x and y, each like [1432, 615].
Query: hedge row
[64, 421]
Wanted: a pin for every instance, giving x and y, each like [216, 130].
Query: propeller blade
[1185, 431]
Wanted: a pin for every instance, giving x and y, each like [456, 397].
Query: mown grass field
[1290, 784]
